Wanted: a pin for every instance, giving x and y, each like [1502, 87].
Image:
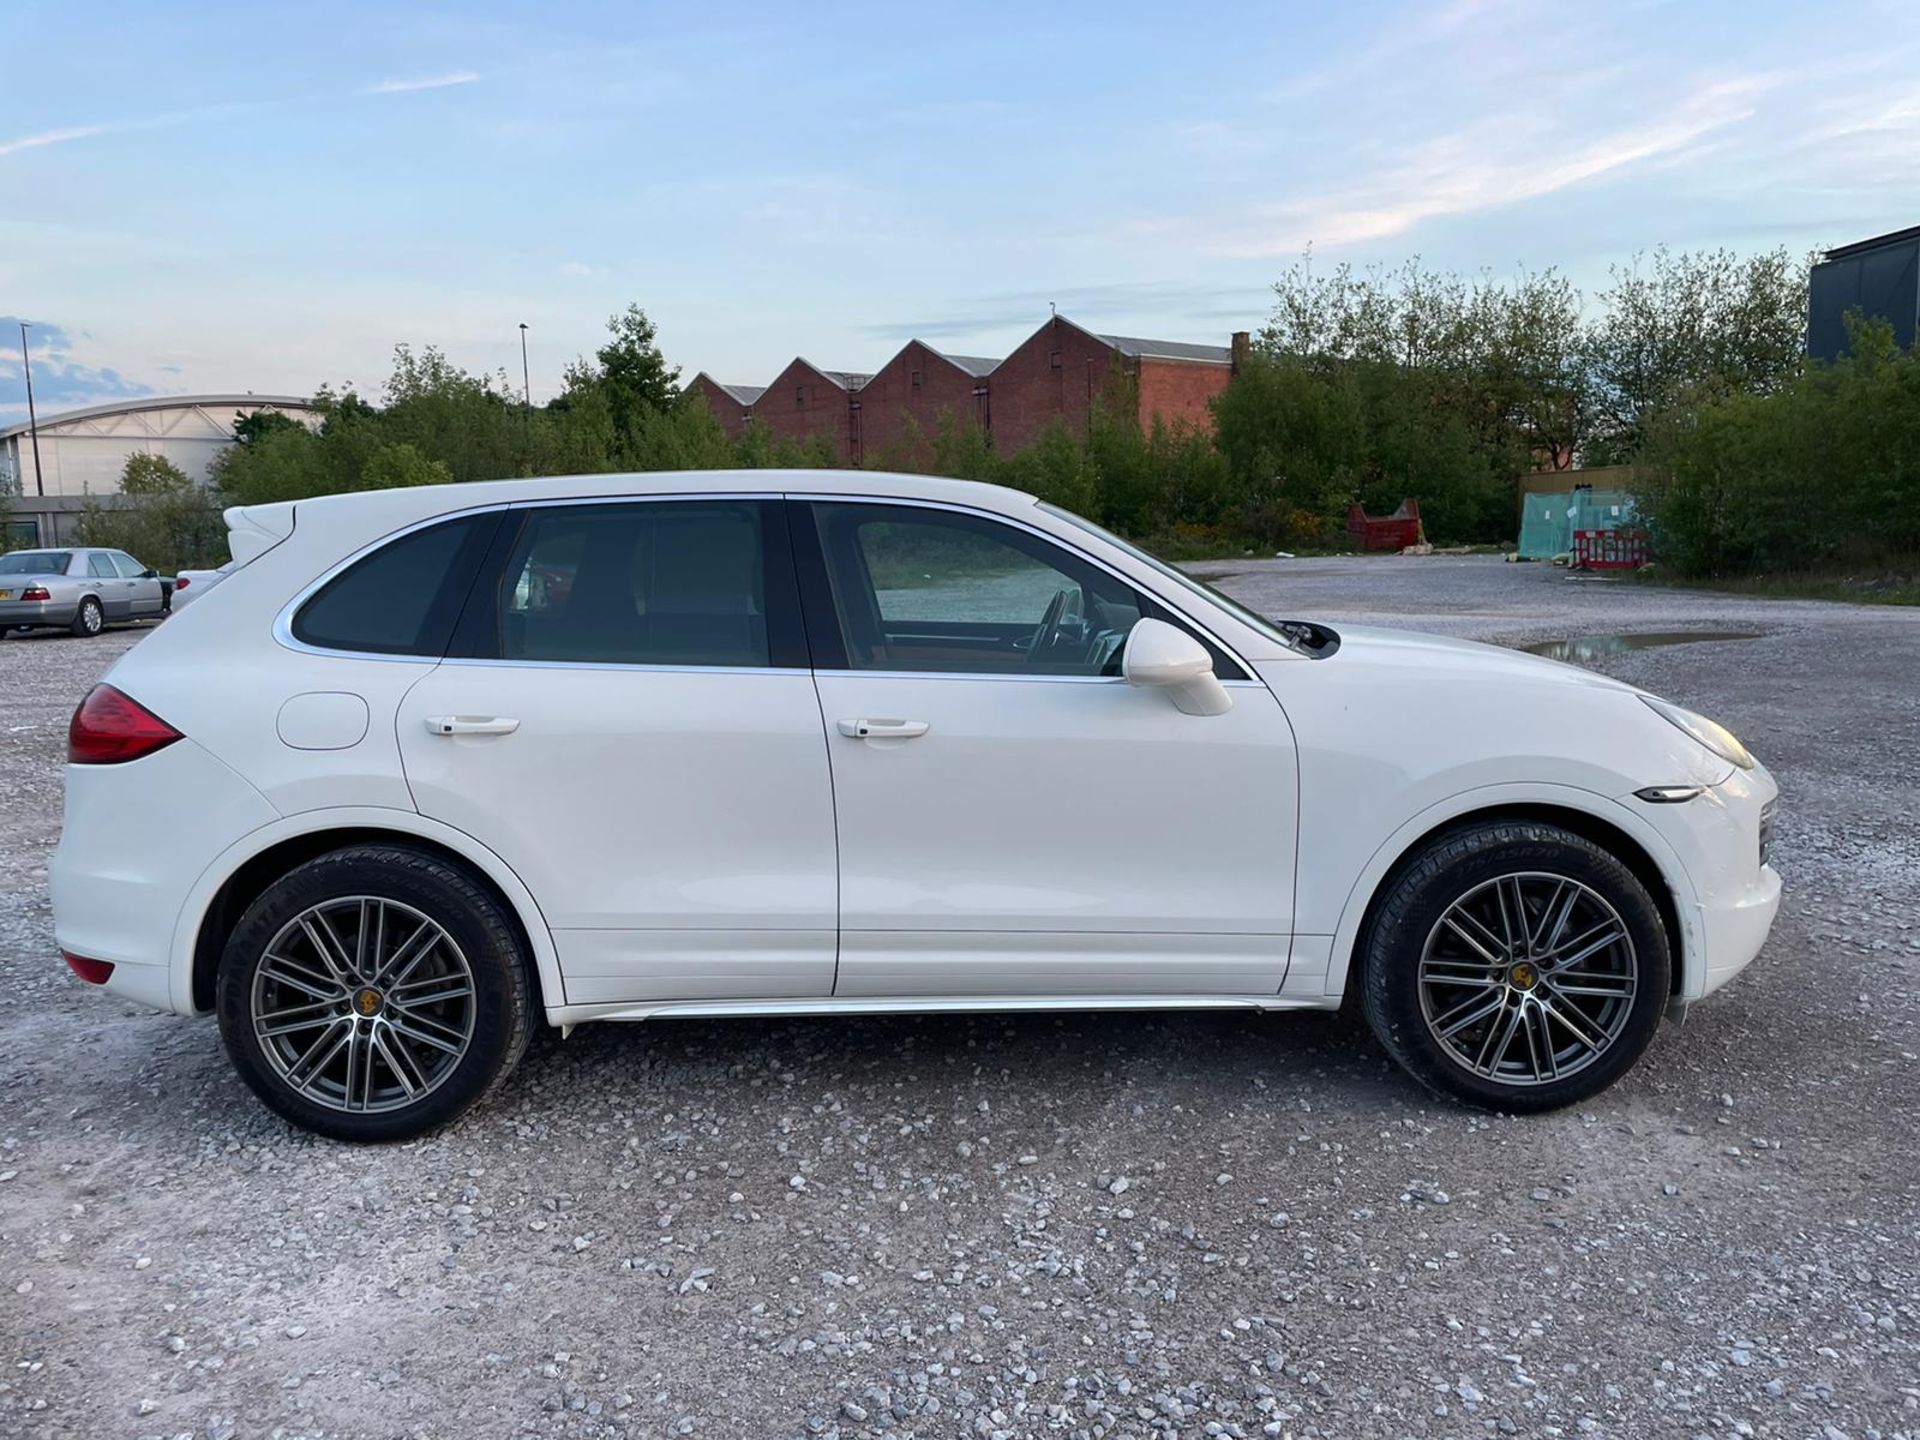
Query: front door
[1014, 818]
[627, 720]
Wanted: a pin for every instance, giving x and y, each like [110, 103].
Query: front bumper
[1717, 837]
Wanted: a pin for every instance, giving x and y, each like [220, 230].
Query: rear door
[116, 595]
[627, 719]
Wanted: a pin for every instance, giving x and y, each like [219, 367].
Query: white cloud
[424, 82]
[1491, 164]
[50, 137]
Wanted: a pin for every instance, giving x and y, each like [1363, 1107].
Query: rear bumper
[136, 839]
[35, 612]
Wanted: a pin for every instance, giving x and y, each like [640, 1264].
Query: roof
[845, 379]
[1892, 237]
[163, 402]
[745, 394]
[1169, 349]
[974, 365]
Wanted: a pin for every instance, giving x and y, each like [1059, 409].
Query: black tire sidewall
[436, 888]
[1439, 875]
[80, 626]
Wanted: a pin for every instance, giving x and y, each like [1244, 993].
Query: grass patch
[1857, 587]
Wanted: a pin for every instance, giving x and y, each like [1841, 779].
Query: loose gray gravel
[1081, 1226]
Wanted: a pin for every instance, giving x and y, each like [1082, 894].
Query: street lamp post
[526, 384]
[33, 421]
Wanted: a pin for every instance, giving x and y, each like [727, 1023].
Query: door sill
[568, 1016]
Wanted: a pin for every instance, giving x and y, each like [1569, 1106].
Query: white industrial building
[83, 452]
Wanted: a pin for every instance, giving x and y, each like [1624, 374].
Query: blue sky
[199, 196]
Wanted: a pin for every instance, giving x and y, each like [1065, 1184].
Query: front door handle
[471, 725]
[883, 729]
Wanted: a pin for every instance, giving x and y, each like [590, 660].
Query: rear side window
[683, 583]
[100, 567]
[404, 598]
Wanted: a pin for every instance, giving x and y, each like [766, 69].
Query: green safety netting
[1547, 522]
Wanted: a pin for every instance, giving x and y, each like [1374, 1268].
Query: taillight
[36, 592]
[180, 582]
[94, 972]
[110, 728]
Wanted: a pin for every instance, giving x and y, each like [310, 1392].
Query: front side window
[920, 589]
[129, 568]
[669, 582]
[403, 598]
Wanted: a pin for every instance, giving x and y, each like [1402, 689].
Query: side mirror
[1166, 658]
[149, 574]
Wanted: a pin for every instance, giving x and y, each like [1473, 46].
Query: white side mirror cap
[1165, 657]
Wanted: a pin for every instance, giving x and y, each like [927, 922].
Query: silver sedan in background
[81, 588]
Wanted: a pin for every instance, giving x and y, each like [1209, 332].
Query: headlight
[1716, 738]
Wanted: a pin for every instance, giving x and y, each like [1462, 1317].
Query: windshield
[35, 562]
[1199, 587]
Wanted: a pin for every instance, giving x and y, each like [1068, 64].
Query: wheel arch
[233, 882]
[1605, 822]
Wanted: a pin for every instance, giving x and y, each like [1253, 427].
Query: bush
[169, 522]
[1822, 471]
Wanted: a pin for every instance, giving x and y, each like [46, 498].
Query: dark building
[1880, 278]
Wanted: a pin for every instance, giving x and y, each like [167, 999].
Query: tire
[89, 620]
[1441, 953]
[327, 1042]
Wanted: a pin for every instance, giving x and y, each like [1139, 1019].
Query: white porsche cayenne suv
[430, 765]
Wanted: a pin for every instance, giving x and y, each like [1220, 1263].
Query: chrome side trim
[825, 1006]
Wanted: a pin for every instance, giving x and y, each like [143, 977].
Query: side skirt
[568, 1016]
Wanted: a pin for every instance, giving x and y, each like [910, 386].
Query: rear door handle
[471, 725]
[883, 729]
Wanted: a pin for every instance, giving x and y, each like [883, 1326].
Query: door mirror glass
[1163, 657]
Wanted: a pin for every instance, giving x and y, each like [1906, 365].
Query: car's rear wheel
[1515, 965]
[89, 619]
[374, 993]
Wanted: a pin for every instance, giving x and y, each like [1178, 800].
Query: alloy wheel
[363, 1004]
[1528, 978]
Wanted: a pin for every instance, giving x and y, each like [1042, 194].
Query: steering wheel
[1052, 624]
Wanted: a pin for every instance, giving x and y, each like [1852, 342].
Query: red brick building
[731, 405]
[904, 403]
[1056, 374]
[805, 400]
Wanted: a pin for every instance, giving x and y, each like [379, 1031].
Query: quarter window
[679, 583]
[936, 590]
[404, 598]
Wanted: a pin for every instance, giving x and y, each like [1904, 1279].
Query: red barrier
[1609, 549]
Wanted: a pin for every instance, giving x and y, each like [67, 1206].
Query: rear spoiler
[252, 530]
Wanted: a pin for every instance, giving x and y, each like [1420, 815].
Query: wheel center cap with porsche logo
[1523, 976]
[367, 1000]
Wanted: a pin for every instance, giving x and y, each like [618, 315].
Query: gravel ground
[1124, 1225]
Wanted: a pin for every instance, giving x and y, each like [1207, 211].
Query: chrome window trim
[283, 622]
[1051, 539]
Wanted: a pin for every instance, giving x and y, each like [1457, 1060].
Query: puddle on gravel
[1589, 648]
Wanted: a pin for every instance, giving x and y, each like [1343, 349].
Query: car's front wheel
[1515, 965]
[374, 993]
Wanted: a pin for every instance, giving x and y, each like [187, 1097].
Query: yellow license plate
[6, 594]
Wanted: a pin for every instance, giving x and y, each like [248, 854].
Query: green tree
[146, 474]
